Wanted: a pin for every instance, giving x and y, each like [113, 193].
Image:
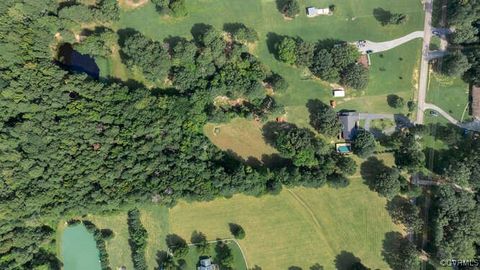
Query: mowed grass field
[298, 227]
[352, 20]
[450, 94]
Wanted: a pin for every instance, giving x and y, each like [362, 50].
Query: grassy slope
[450, 94]
[351, 21]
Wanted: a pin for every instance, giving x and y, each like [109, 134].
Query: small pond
[79, 250]
[72, 60]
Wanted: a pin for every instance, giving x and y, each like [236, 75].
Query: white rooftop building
[313, 11]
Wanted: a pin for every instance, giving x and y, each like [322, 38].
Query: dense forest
[73, 145]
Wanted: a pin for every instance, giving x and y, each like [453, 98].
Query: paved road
[422, 85]
[376, 47]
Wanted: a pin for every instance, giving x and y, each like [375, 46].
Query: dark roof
[349, 124]
[476, 102]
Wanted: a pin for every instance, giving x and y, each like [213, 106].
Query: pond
[79, 250]
[72, 60]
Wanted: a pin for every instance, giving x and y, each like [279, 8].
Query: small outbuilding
[338, 92]
[206, 264]
[313, 11]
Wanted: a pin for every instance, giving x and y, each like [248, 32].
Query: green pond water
[79, 251]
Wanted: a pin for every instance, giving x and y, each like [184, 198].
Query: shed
[313, 11]
[338, 92]
[476, 102]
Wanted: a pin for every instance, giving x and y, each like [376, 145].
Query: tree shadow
[280, 4]
[369, 170]
[293, 267]
[328, 43]
[382, 15]
[233, 27]
[316, 266]
[345, 260]
[391, 245]
[174, 40]
[275, 161]
[174, 241]
[272, 40]
[198, 30]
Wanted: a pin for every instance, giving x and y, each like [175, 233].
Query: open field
[351, 21]
[243, 137]
[298, 227]
[450, 94]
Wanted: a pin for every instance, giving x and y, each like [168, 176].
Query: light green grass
[450, 94]
[301, 228]
[352, 20]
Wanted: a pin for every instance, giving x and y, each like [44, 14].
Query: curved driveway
[387, 45]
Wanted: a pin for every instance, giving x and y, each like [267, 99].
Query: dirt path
[132, 3]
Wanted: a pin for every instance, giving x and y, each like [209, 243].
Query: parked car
[436, 32]
[433, 113]
[369, 51]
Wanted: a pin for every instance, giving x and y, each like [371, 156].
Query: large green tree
[363, 143]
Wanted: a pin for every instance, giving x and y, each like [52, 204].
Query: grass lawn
[243, 137]
[352, 20]
[450, 94]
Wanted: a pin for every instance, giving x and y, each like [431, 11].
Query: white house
[338, 92]
[313, 11]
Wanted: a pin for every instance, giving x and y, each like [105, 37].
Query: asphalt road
[422, 85]
[376, 47]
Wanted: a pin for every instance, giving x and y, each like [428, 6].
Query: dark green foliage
[355, 76]
[358, 266]
[199, 239]
[166, 261]
[277, 82]
[323, 66]
[344, 55]
[323, 118]
[397, 18]
[455, 64]
[456, 227]
[409, 154]
[97, 44]
[150, 56]
[404, 212]
[304, 53]
[464, 34]
[290, 8]
[137, 239]
[177, 245]
[386, 17]
[237, 231]
[363, 143]
[399, 252]
[395, 101]
[242, 33]
[100, 237]
[287, 50]
[176, 8]
[386, 182]
[223, 255]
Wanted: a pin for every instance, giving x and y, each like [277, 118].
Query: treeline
[137, 239]
[329, 60]
[176, 8]
[464, 57]
[100, 236]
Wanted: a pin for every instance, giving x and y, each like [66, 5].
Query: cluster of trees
[100, 236]
[404, 212]
[223, 255]
[289, 8]
[314, 161]
[137, 239]
[464, 58]
[333, 61]
[363, 143]
[323, 118]
[97, 44]
[177, 245]
[211, 65]
[103, 11]
[176, 8]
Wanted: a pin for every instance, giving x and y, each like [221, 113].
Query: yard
[298, 227]
[450, 94]
[392, 71]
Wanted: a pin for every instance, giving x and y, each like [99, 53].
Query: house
[206, 264]
[349, 122]
[313, 11]
[338, 92]
[476, 102]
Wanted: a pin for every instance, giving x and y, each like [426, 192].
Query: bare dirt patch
[130, 4]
